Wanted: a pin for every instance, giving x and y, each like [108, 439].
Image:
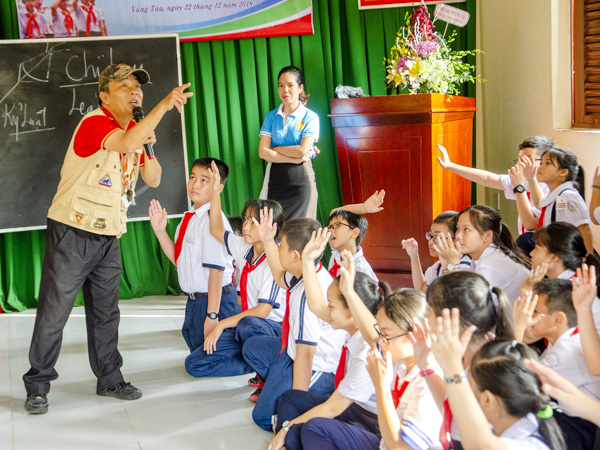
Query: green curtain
[234, 85]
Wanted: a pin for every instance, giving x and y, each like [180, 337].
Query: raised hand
[420, 339]
[536, 275]
[267, 230]
[176, 98]
[529, 168]
[584, 288]
[445, 159]
[347, 273]
[449, 345]
[523, 309]
[314, 248]
[158, 216]
[374, 202]
[445, 247]
[215, 178]
[516, 174]
[411, 246]
[380, 370]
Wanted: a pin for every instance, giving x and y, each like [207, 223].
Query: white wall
[528, 92]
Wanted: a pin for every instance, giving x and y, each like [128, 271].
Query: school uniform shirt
[356, 384]
[200, 252]
[64, 23]
[260, 285]
[435, 271]
[566, 358]
[568, 206]
[500, 271]
[570, 274]
[524, 435]
[360, 263]
[306, 328]
[509, 194]
[420, 416]
[31, 25]
[95, 15]
[46, 13]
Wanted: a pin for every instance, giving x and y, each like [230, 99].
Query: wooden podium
[390, 142]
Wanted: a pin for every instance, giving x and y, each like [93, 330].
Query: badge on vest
[572, 206]
[105, 181]
[100, 223]
[79, 216]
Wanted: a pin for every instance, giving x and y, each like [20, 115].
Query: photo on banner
[373, 4]
[192, 20]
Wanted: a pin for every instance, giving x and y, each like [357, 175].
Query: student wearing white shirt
[347, 231]
[261, 299]
[353, 401]
[204, 268]
[89, 18]
[564, 176]
[312, 347]
[31, 22]
[407, 413]
[63, 18]
[483, 236]
[565, 354]
[594, 209]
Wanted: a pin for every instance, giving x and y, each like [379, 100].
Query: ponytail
[504, 317]
[579, 181]
[366, 288]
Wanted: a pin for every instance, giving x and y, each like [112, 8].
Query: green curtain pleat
[235, 86]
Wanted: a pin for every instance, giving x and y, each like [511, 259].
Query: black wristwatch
[212, 315]
[519, 189]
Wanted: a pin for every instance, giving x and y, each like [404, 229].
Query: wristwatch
[212, 315]
[286, 426]
[519, 189]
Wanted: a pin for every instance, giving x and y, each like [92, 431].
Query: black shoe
[256, 382]
[255, 395]
[122, 391]
[36, 404]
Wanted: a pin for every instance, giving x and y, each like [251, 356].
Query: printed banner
[193, 20]
[372, 4]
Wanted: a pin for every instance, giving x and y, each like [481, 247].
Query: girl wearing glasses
[443, 225]
[407, 414]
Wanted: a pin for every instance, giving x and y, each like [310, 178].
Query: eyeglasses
[534, 159]
[387, 339]
[335, 226]
[431, 237]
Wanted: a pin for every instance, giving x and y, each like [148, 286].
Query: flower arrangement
[422, 61]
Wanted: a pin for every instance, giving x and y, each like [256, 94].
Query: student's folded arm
[297, 151]
[303, 366]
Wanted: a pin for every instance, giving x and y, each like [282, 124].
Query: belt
[197, 295]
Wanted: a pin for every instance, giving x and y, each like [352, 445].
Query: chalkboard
[46, 87]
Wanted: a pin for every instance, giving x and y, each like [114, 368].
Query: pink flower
[402, 64]
[426, 48]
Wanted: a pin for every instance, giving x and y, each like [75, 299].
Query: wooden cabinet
[390, 142]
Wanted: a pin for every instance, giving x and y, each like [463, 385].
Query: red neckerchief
[244, 279]
[182, 230]
[30, 24]
[341, 368]
[68, 21]
[541, 221]
[397, 393]
[334, 269]
[446, 429]
[90, 15]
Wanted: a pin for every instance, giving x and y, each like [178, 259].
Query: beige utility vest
[89, 195]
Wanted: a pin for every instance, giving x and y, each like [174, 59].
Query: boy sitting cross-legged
[307, 354]
[203, 267]
[262, 300]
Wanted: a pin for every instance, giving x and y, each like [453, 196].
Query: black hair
[559, 297]
[367, 289]
[403, 306]
[498, 368]
[299, 75]
[485, 218]
[254, 206]
[541, 144]
[298, 232]
[474, 298]
[354, 220]
[566, 242]
[448, 219]
[205, 162]
[567, 160]
[237, 224]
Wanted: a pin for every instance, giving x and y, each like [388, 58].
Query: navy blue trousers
[332, 434]
[277, 369]
[195, 315]
[294, 403]
[227, 360]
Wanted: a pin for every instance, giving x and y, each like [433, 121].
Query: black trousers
[75, 259]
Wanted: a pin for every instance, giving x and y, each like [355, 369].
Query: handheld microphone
[138, 115]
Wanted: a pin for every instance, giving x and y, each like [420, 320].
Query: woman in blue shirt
[286, 143]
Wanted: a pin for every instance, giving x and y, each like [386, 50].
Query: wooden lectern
[390, 142]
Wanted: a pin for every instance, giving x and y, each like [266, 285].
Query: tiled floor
[176, 411]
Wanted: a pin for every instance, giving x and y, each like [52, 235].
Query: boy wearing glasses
[347, 230]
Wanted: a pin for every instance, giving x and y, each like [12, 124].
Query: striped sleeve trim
[414, 436]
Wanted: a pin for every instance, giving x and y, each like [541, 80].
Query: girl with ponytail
[499, 390]
[483, 236]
